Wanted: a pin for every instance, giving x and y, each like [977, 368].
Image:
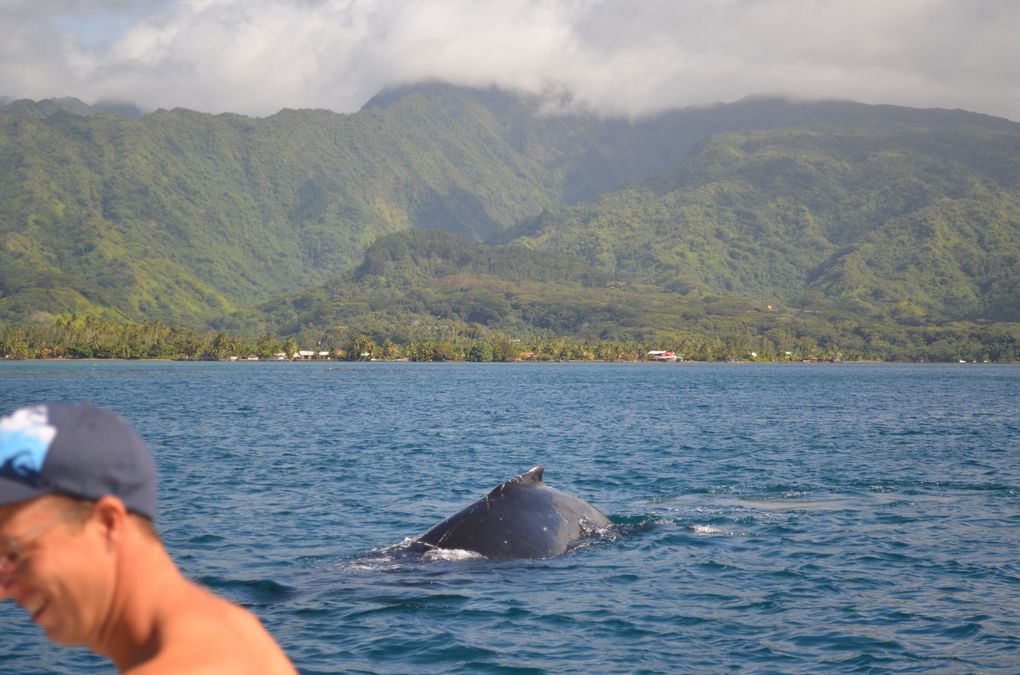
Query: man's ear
[111, 516]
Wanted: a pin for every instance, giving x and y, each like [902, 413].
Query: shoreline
[758, 362]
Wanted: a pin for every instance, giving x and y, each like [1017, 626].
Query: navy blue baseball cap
[77, 450]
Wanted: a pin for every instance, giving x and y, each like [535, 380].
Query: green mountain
[182, 215]
[916, 223]
[692, 221]
[422, 287]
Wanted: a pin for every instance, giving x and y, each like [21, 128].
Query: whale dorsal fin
[531, 477]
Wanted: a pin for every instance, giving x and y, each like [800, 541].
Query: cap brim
[12, 491]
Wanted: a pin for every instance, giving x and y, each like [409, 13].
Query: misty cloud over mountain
[613, 57]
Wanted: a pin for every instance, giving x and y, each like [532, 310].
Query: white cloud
[615, 56]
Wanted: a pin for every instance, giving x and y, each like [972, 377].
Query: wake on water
[411, 551]
[702, 519]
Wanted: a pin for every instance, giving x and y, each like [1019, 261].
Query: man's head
[55, 562]
[77, 450]
[74, 479]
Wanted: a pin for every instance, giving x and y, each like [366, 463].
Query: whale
[522, 518]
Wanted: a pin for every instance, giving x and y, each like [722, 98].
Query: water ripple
[780, 519]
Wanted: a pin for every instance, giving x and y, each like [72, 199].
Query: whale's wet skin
[522, 518]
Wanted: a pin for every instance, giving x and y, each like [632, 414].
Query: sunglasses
[12, 551]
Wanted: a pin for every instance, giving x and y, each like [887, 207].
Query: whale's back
[522, 518]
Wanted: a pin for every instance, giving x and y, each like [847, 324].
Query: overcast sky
[628, 57]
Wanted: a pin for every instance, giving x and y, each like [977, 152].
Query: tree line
[88, 337]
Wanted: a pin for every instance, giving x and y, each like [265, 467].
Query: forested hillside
[914, 224]
[182, 215]
[433, 287]
[798, 220]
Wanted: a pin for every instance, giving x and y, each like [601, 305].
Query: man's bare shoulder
[206, 634]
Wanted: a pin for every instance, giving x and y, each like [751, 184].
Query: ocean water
[768, 518]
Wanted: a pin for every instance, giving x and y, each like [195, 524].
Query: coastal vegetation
[441, 223]
[77, 338]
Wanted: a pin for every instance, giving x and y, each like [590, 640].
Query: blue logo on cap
[25, 437]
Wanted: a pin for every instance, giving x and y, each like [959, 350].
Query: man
[78, 551]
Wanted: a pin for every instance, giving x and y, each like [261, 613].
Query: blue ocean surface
[768, 518]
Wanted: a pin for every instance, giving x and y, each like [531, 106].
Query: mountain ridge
[895, 214]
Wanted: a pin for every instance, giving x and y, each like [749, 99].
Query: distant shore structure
[663, 356]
